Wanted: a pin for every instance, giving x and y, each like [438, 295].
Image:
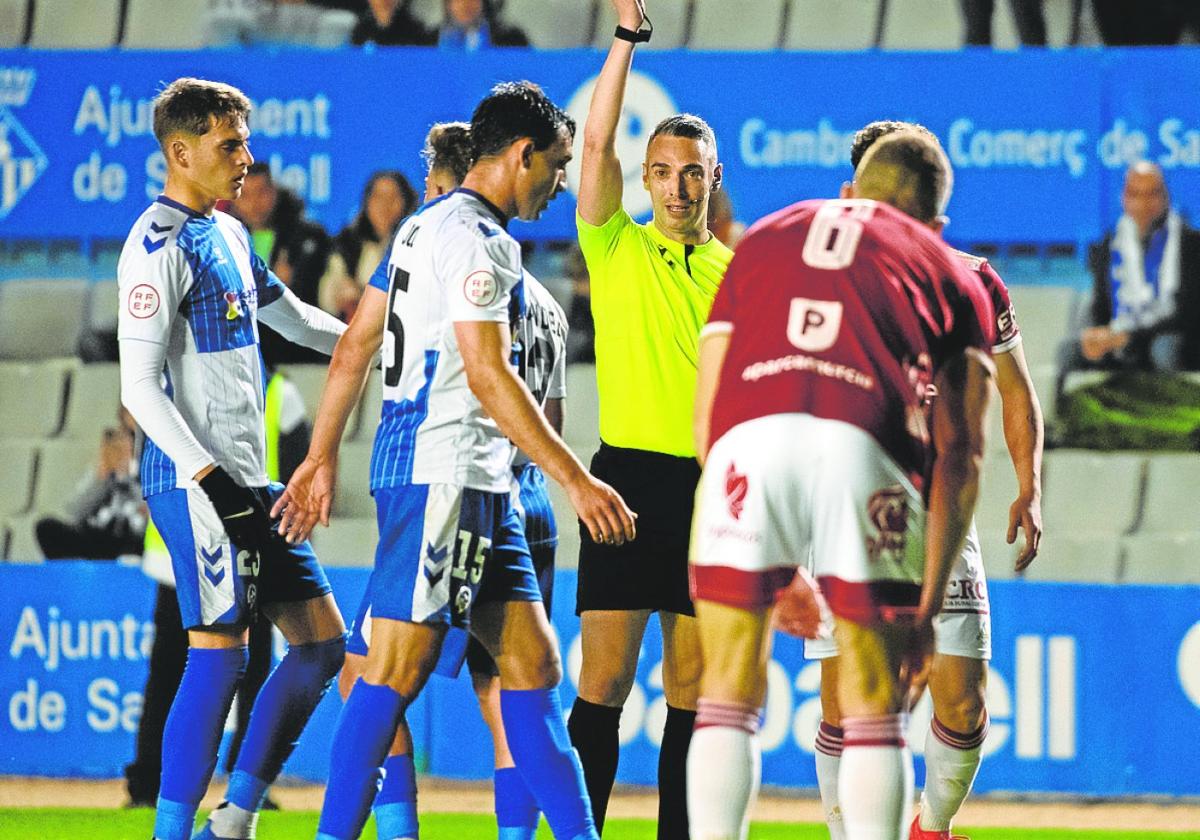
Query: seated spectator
[358, 248]
[388, 23]
[106, 518]
[296, 248]
[721, 221]
[473, 24]
[1145, 308]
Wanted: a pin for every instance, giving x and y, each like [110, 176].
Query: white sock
[829, 759]
[723, 767]
[951, 762]
[877, 775]
[228, 820]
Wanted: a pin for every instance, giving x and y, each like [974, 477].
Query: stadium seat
[1162, 558]
[75, 24]
[92, 402]
[1172, 494]
[31, 399]
[40, 318]
[14, 21]
[1091, 493]
[736, 24]
[553, 24]
[20, 462]
[1044, 314]
[1076, 557]
[821, 25]
[353, 497]
[581, 429]
[100, 314]
[429, 12]
[670, 18]
[922, 25]
[1060, 21]
[346, 542]
[62, 465]
[22, 540]
[150, 26]
[997, 490]
[365, 418]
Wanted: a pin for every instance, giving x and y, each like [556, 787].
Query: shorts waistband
[646, 456]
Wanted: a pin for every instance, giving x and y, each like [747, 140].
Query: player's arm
[1024, 434]
[302, 323]
[600, 179]
[963, 388]
[484, 346]
[714, 344]
[309, 494]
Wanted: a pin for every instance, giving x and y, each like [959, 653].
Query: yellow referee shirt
[650, 297]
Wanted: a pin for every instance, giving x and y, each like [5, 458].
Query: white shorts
[778, 489]
[962, 628]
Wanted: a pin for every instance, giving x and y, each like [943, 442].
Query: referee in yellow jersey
[652, 286]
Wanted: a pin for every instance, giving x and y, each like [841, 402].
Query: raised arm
[600, 179]
[309, 493]
[484, 346]
[1024, 434]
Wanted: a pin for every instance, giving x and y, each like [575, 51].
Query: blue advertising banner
[1039, 138]
[1089, 689]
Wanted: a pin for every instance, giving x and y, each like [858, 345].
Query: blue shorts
[443, 549]
[218, 586]
[537, 514]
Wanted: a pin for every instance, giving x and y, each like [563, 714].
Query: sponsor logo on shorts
[736, 486]
[888, 511]
[143, 301]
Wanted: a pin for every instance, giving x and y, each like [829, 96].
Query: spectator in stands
[296, 248]
[1145, 306]
[106, 518]
[581, 329]
[721, 221]
[358, 248]
[473, 24]
[1031, 23]
[389, 23]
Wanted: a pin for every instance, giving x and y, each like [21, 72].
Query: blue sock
[537, 737]
[396, 804]
[517, 811]
[193, 733]
[283, 707]
[364, 733]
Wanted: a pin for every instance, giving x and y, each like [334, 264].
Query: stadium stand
[40, 318]
[75, 24]
[185, 28]
[14, 22]
[20, 463]
[1089, 492]
[1172, 503]
[21, 543]
[1161, 558]
[1076, 557]
[737, 24]
[353, 497]
[553, 24]
[671, 20]
[346, 542]
[33, 401]
[921, 25]
[95, 395]
[820, 25]
[61, 465]
[429, 12]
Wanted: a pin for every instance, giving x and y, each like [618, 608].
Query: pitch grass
[137, 824]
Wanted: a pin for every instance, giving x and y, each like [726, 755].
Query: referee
[652, 286]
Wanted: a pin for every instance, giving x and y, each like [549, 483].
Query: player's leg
[876, 764]
[213, 609]
[681, 687]
[611, 641]
[724, 762]
[829, 745]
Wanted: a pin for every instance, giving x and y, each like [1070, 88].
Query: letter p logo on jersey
[813, 325]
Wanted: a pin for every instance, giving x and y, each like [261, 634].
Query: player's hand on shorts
[602, 511]
[1025, 513]
[241, 513]
[306, 500]
[799, 606]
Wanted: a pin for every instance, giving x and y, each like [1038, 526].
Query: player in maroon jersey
[833, 322]
[957, 676]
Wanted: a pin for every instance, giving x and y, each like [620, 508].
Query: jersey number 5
[835, 233]
[393, 338]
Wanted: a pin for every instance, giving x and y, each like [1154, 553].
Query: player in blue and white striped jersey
[192, 291]
[451, 548]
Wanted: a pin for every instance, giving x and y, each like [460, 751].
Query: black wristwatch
[641, 36]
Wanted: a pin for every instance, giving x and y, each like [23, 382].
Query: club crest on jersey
[813, 325]
[736, 486]
[233, 306]
[887, 510]
[143, 301]
[481, 288]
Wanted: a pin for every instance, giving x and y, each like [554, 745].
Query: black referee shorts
[650, 573]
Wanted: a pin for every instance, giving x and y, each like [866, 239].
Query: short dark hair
[686, 125]
[514, 110]
[866, 136]
[908, 170]
[192, 105]
[448, 146]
